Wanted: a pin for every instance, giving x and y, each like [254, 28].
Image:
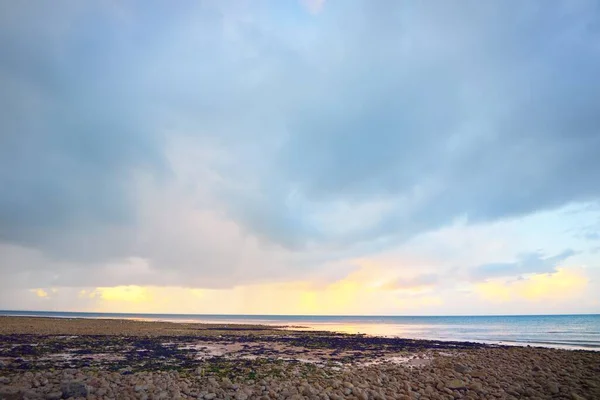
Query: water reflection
[389, 330]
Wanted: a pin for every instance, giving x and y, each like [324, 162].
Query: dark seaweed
[128, 354]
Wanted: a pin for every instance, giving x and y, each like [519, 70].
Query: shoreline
[346, 324]
[52, 358]
[314, 327]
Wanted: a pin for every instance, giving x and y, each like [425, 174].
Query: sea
[558, 331]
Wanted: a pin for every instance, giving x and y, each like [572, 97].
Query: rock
[307, 390]
[73, 389]
[553, 387]
[476, 386]
[575, 396]
[4, 380]
[480, 374]
[514, 391]
[348, 385]
[54, 395]
[455, 384]
[241, 396]
[210, 396]
[227, 382]
[591, 383]
[461, 369]
[126, 371]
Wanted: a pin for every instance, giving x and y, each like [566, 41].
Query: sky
[300, 157]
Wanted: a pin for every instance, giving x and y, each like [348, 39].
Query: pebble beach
[60, 358]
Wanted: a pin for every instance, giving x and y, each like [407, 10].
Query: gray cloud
[73, 130]
[419, 114]
[486, 120]
[527, 264]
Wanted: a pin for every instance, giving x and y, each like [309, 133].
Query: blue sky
[437, 153]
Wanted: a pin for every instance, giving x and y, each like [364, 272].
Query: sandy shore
[53, 358]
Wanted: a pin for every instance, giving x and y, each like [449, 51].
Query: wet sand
[51, 358]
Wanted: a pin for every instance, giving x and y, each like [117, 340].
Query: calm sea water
[567, 331]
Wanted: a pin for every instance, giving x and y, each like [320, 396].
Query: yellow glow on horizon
[40, 293]
[564, 283]
[359, 292]
[129, 294]
[362, 291]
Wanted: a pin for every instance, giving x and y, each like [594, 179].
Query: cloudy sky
[300, 157]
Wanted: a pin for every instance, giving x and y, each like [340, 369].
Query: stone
[591, 383]
[241, 396]
[73, 389]
[476, 386]
[126, 371]
[227, 383]
[54, 395]
[461, 369]
[455, 384]
[553, 387]
[210, 396]
[307, 390]
[4, 380]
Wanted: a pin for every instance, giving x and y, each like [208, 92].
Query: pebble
[553, 387]
[476, 386]
[455, 384]
[461, 368]
[73, 389]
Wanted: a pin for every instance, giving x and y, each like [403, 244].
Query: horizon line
[300, 315]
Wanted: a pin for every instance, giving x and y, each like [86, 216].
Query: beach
[53, 358]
